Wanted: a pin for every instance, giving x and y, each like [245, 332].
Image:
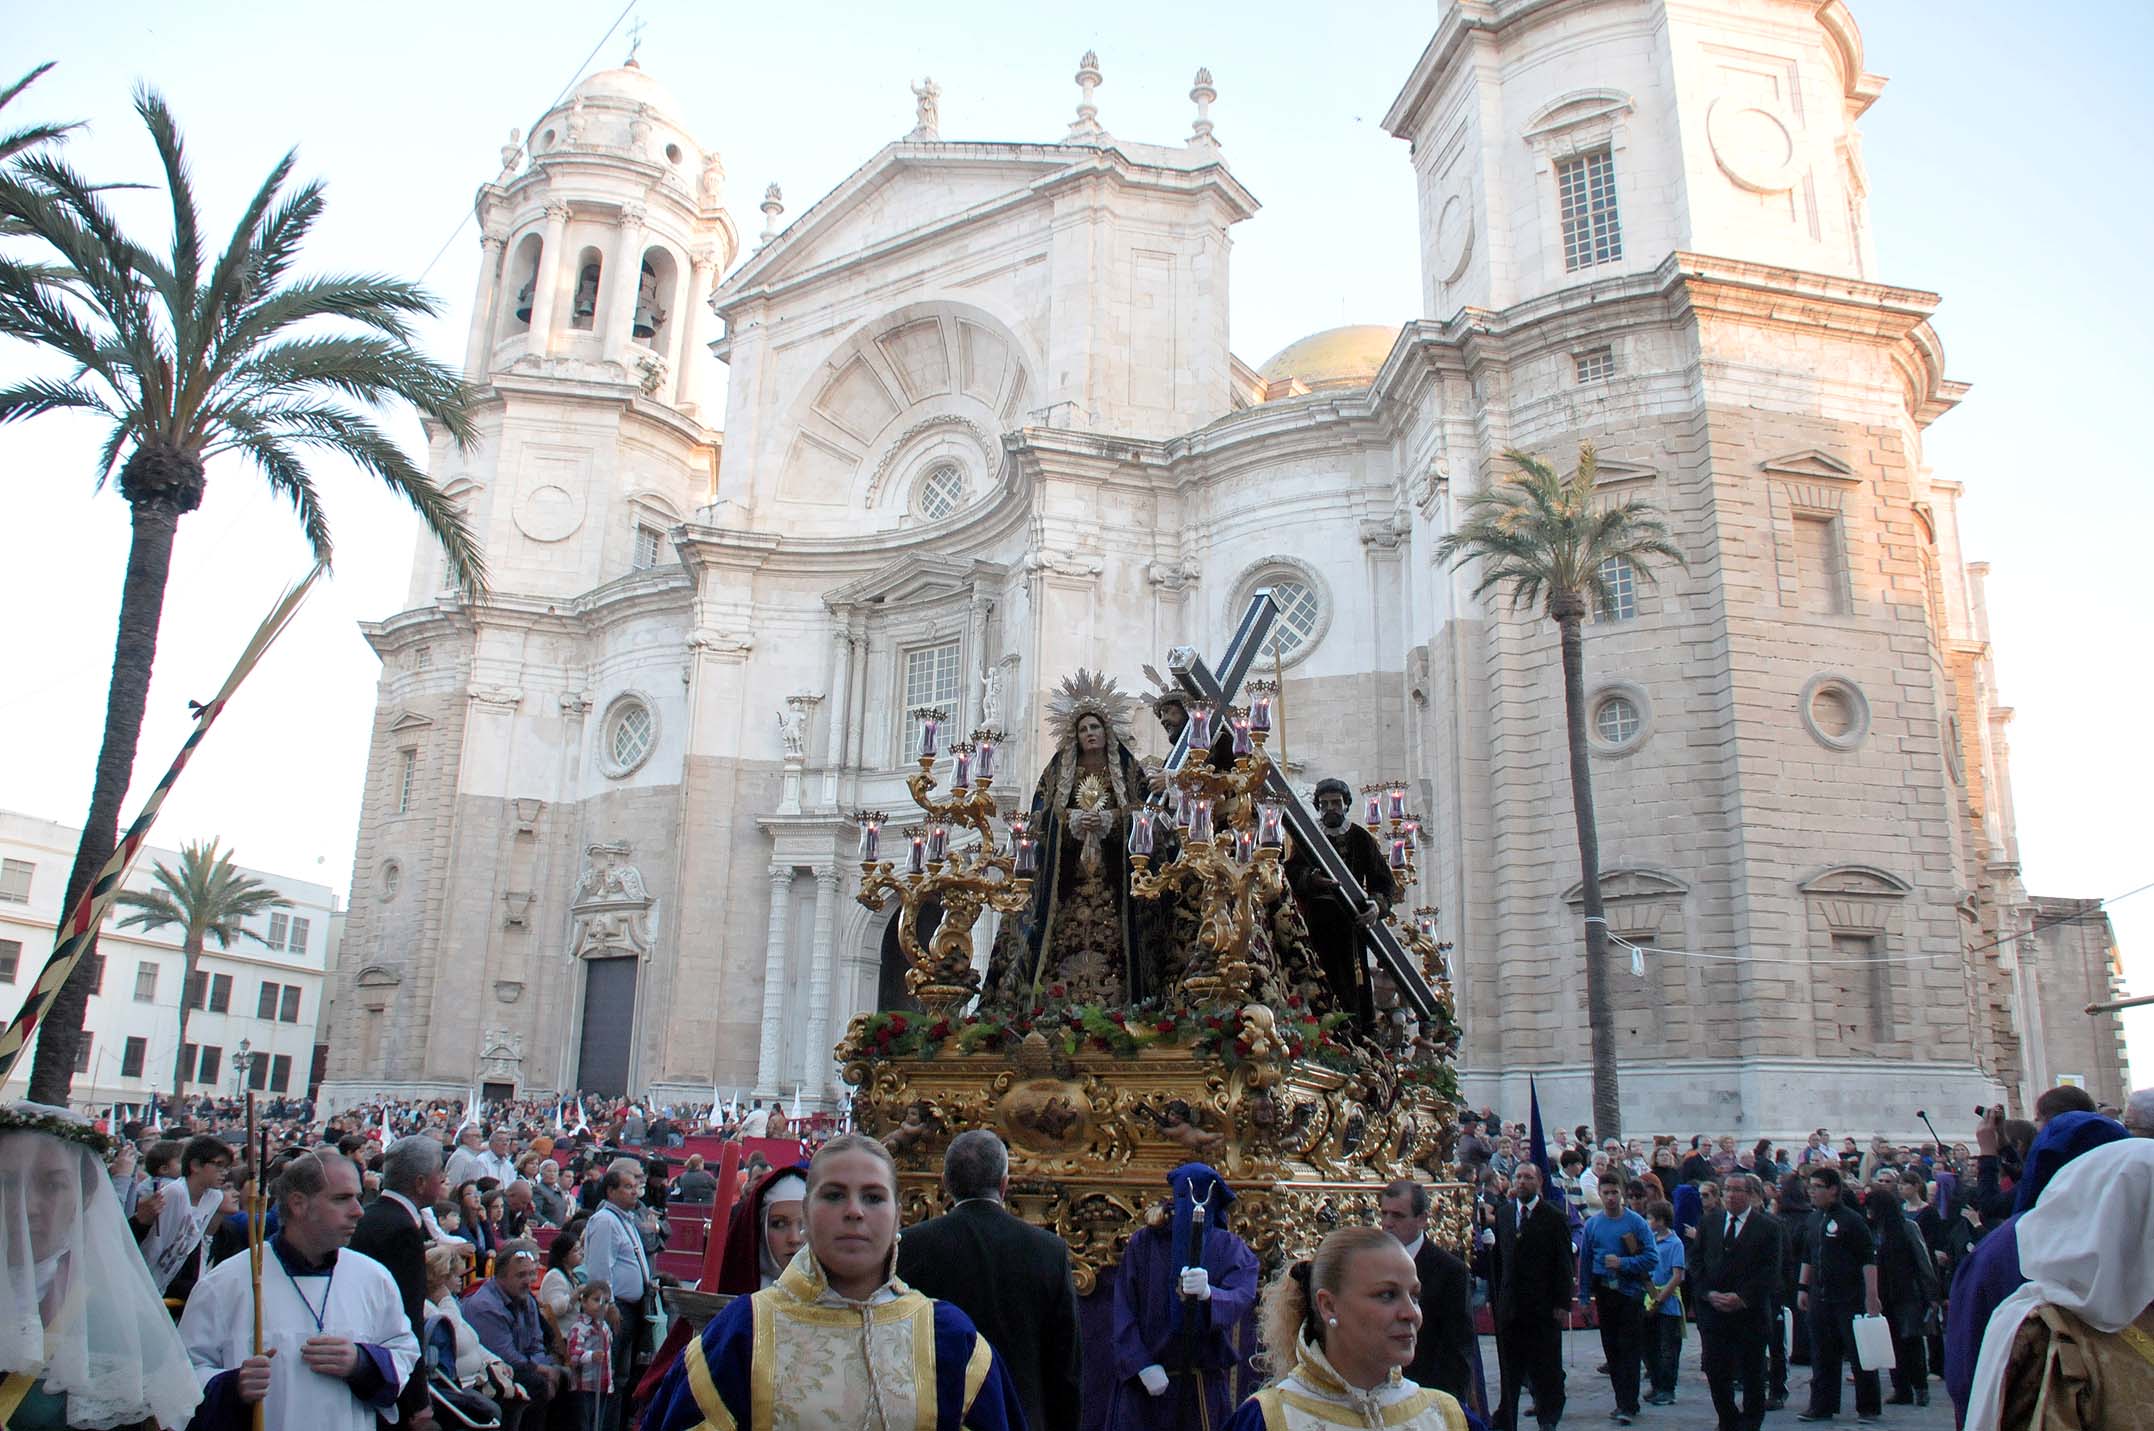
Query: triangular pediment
[1630, 884]
[1609, 473]
[882, 201]
[408, 720]
[913, 580]
[1810, 465]
[1844, 880]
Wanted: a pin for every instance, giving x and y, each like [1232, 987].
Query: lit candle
[1398, 853]
[871, 833]
[916, 857]
[1245, 845]
[1260, 712]
[1140, 831]
[962, 775]
[1397, 796]
[938, 842]
[1200, 727]
[1427, 921]
[1413, 829]
[983, 766]
[1178, 805]
[1375, 808]
[1270, 820]
[1200, 818]
[1243, 745]
[1020, 826]
[930, 728]
[1028, 857]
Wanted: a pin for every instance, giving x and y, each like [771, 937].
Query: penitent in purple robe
[1144, 1335]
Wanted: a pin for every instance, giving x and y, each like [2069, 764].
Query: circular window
[1835, 712]
[1617, 720]
[1619, 717]
[941, 491]
[1303, 601]
[673, 153]
[627, 737]
[545, 141]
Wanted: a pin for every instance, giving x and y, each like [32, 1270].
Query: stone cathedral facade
[982, 424]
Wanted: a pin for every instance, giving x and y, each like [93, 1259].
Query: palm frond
[35, 396]
[34, 136]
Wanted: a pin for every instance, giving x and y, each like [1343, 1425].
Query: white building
[265, 994]
[983, 425]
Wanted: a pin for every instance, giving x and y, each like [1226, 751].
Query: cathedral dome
[630, 82]
[1335, 358]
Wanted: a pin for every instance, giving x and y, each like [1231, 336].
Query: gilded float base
[1307, 1146]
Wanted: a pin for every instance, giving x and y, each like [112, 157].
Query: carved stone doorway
[609, 1015]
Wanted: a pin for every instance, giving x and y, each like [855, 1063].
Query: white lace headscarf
[77, 1306]
[2084, 1247]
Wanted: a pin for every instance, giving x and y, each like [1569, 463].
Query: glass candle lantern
[871, 836]
[983, 763]
[1395, 801]
[1200, 818]
[938, 842]
[916, 853]
[961, 774]
[1398, 853]
[1140, 831]
[1413, 830]
[1372, 813]
[1200, 727]
[1245, 845]
[1028, 857]
[1260, 712]
[930, 733]
[1243, 745]
[1271, 823]
[1426, 922]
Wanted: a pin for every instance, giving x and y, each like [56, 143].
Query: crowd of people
[503, 1269]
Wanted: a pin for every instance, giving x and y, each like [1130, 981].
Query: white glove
[1197, 1283]
[1155, 1379]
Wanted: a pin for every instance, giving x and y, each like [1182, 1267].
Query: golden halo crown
[1089, 693]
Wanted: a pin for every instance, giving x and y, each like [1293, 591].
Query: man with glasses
[505, 1316]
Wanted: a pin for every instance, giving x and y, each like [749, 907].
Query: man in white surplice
[337, 1343]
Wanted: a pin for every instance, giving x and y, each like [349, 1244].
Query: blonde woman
[856, 1348]
[1336, 1328]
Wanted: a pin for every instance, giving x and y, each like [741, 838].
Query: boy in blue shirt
[1615, 1257]
[1664, 1305]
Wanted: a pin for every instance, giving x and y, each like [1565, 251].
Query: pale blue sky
[2003, 172]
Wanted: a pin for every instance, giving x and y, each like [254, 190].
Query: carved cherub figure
[1176, 1122]
[918, 1122]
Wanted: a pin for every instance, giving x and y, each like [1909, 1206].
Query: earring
[1331, 1321]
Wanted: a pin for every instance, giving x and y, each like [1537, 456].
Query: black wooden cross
[1197, 679]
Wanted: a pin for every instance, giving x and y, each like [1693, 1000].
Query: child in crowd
[1664, 1305]
[590, 1355]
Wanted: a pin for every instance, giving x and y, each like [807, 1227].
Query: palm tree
[1546, 539]
[187, 358]
[207, 898]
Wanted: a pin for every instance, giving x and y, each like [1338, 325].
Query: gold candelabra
[1228, 847]
[964, 883]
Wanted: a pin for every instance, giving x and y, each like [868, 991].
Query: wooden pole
[721, 1214]
[256, 1210]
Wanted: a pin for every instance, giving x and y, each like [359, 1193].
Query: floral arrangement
[1214, 1030]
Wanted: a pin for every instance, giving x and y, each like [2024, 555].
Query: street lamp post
[243, 1066]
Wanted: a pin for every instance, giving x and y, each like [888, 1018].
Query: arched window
[1620, 600]
[523, 284]
[1303, 601]
[583, 308]
[651, 322]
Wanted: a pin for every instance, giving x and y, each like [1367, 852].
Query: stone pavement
[1589, 1399]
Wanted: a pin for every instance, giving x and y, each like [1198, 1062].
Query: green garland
[35, 1118]
[1097, 1028]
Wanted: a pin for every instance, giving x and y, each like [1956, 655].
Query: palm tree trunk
[142, 600]
[190, 957]
[1600, 1012]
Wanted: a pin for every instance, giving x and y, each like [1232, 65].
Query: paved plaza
[1591, 1402]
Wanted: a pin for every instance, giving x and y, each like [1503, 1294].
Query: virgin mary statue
[1079, 941]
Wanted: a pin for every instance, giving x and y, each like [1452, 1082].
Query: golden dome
[1335, 358]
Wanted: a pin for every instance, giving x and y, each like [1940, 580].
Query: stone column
[478, 348]
[767, 1071]
[837, 747]
[816, 1066]
[617, 297]
[687, 315]
[549, 280]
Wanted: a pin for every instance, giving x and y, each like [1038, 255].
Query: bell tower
[602, 246]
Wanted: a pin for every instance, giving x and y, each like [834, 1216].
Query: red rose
[897, 1023]
[1293, 1050]
[1166, 1026]
[1056, 991]
[1241, 1048]
[940, 1031]
[1293, 1001]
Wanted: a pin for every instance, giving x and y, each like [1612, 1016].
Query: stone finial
[927, 110]
[512, 153]
[1203, 94]
[1087, 129]
[773, 205]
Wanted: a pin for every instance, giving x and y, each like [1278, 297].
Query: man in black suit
[1011, 1278]
[1533, 1280]
[390, 1232]
[1738, 1273]
[1444, 1354]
